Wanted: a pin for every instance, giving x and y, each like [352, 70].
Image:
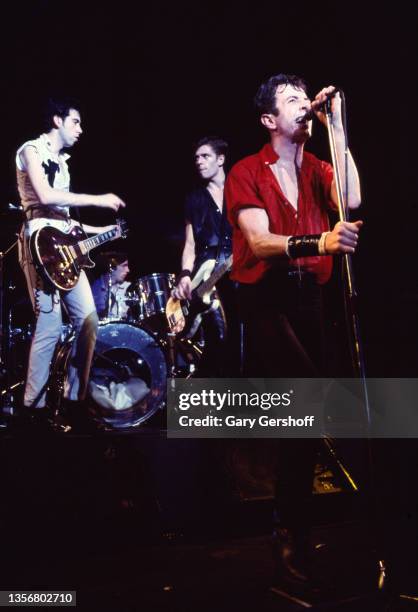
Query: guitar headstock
[122, 228]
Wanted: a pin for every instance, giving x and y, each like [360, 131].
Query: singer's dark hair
[265, 98]
[219, 145]
[57, 106]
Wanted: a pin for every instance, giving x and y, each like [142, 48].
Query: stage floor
[139, 522]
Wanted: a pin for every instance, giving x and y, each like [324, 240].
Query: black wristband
[303, 246]
[184, 273]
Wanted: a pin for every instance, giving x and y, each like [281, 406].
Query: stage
[137, 521]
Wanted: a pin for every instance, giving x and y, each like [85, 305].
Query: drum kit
[133, 357]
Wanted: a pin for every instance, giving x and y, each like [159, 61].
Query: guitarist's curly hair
[57, 106]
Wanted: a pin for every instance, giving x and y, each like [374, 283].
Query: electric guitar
[202, 301]
[59, 256]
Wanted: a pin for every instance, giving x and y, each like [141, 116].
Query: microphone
[310, 114]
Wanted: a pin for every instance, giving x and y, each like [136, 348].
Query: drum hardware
[17, 331]
[109, 291]
[149, 295]
[124, 370]
[171, 353]
[132, 360]
[183, 355]
[7, 401]
[12, 208]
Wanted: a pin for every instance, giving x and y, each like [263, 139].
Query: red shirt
[251, 183]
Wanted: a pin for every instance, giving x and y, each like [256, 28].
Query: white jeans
[46, 301]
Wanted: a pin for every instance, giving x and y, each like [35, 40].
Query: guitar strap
[36, 211]
[221, 231]
[78, 218]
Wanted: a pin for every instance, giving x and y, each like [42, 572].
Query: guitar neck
[91, 243]
[208, 284]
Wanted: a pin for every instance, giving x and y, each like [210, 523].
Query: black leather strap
[303, 246]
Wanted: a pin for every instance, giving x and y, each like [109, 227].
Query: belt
[298, 273]
[290, 277]
[293, 277]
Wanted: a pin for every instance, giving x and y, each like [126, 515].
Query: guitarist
[43, 182]
[208, 236]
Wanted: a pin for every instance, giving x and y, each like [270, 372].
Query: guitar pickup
[66, 256]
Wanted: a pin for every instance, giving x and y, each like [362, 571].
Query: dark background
[152, 78]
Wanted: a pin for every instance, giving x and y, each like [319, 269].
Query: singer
[278, 202]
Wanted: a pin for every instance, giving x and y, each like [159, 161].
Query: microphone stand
[356, 346]
[350, 298]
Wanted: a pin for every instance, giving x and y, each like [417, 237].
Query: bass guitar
[190, 312]
[59, 256]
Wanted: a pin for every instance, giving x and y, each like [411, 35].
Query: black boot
[76, 413]
[32, 420]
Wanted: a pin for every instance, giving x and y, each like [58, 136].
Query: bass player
[208, 238]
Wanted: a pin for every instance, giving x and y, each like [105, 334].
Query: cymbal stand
[109, 292]
[171, 354]
[6, 397]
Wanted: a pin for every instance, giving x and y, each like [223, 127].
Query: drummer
[109, 289]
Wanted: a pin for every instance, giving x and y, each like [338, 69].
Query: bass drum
[127, 378]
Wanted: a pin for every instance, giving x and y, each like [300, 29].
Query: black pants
[221, 333]
[283, 339]
[282, 326]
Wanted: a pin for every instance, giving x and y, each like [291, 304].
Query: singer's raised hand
[321, 97]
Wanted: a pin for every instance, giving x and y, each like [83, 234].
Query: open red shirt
[251, 183]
